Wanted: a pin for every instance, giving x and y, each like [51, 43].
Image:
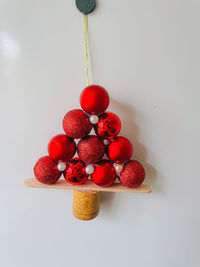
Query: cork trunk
[86, 204]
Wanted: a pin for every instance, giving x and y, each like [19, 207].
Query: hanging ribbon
[86, 47]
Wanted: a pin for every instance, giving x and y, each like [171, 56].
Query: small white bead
[106, 142]
[89, 169]
[61, 166]
[94, 119]
[118, 167]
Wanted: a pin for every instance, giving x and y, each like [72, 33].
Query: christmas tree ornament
[94, 119]
[61, 166]
[61, 148]
[104, 174]
[106, 142]
[89, 169]
[108, 126]
[90, 149]
[94, 99]
[133, 174]
[76, 124]
[75, 172]
[118, 167]
[119, 150]
[46, 171]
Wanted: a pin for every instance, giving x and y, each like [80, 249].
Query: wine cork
[86, 204]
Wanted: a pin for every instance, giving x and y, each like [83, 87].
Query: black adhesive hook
[85, 6]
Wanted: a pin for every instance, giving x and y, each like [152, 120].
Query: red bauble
[108, 126]
[119, 150]
[94, 99]
[90, 149]
[104, 174]
[133, 174]
[75, 172]
[46, 171]
[61, 148]
[76, 124]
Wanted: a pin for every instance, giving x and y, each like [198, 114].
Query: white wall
[146, 53]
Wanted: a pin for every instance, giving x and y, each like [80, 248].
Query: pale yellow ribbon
[86, 47]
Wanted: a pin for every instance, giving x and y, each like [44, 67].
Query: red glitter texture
[104, 174]
[119, 150]
[108, 126]
[75, 172]
[90, 149]
[133, 174]
[46, 171]
[76, 124]
[94, 99]
[61, 148]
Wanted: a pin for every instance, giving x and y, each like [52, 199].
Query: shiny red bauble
[108, 126]
[75, 172]
[133, 174]
[104, 174]
[76, 124]
[119, 150]
[46, 171]
[94, 99]
[61, 148]
[90, 149]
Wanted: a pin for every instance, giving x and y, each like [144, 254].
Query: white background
[146, 54]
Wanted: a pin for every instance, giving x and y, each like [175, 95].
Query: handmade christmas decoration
[119, 150]
[133, 174]
[89, 169]
[75, 172]
[46, 171]
[108, 125]
[118, 168]
[102, 157]
[104, 174]
[61, 148]
[90, 149]
[76, 124]
[94, 99]
[61, 166]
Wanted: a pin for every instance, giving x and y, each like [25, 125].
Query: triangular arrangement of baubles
[104, 156]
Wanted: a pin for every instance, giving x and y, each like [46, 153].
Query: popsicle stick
[88, 185]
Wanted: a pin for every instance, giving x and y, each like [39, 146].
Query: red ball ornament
[108, 126]
[133, 174]
[46, 171]
[104, 174]
[94, 99]
[90, 149]
[76, 124]
[75, 172]
[119, 150]
[61, 148]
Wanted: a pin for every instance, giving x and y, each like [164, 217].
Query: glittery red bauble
[108, 126]
[133, 174]
[90, 149]
[61, 148]
[46, 171]
[76, 124]
[94, 99]
[104, 174]
[119, 150]
[75, 172]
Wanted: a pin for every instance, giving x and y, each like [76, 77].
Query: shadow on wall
[131, 131]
